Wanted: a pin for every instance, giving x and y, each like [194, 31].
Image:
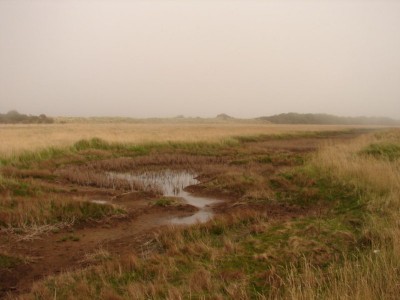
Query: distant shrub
[295, 118]
[14, 117]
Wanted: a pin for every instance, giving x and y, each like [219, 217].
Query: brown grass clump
[35, 216]
[200, 280]
[13, 172]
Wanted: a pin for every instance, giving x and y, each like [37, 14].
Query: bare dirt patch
[65, 250]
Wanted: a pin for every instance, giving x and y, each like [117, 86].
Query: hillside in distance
[14, 117]
[296, 118]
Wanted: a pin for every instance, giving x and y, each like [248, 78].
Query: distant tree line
[295, 118]
[14, 117]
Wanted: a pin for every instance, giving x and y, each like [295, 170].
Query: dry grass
[33, 214]
[35, 231]
[374, 275]
[18, 138]
[378, 179]
[97, 256]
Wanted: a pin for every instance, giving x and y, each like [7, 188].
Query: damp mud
[172, 183]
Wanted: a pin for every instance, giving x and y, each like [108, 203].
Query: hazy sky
[200, 58]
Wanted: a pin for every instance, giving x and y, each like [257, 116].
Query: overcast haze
[199, 58]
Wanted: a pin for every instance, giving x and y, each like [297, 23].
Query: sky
[200, 58]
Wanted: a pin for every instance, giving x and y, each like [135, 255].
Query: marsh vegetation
[302, 215]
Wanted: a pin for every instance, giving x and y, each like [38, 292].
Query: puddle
[102, 202]
[173, 183]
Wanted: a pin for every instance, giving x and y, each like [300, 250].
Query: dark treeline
[295, 118]
[14, 117]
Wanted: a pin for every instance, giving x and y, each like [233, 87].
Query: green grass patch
[307, 186]
[388, 151]
[164, 202]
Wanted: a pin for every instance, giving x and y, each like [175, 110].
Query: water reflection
[172, 183]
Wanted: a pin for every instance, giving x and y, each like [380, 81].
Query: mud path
[68, 249]
[72, 248]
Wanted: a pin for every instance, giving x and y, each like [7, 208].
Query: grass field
[19, 138]
[308, 212]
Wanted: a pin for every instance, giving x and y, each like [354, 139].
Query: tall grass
[375, 274]
[370, 277]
